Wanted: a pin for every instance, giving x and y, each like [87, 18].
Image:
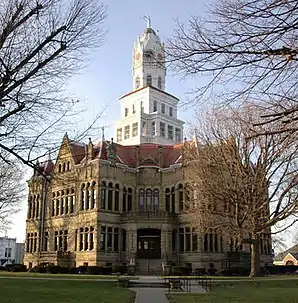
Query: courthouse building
[122, 200]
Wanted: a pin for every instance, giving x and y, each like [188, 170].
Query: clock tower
[148, 63]
[149, 113]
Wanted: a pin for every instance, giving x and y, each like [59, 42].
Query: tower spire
[148, 19]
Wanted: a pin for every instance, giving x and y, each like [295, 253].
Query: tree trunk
[255, 259]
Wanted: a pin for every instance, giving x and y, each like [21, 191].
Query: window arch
[149, 80]
[148, 199]
[155, 199]
[138, 82]
[68, 165]
[141, 200]
[159, 82]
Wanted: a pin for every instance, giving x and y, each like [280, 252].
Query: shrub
[15, 267]
[212, 271]
[107, 270]
[94, 270]
[118, 268]
[200, 271]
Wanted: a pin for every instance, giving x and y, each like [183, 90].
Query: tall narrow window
[37, 206]
[153, 128]
[126, 111]
[141, 197]
[194, 240]
[180, 197]
[159, 82]
[93, 194]
[154, 106]
[91, 238]
[135, 129]
[123, 239]
[187, 239]
[138, 82]
[181, 239]
[133, 109]
[126, 132]
[116, 206]
[173, 200]
[68, 166]
[170, 132]
[124, 200]
[116, 239]
[103, 195]
[83, 197]
[88, 196]
[168, 199]
[155, 199]
[163, 108]
[119, 134]
[149, 80]
[162, 129]
[148, 199]
[110, 239]
[129, 199]
[171, 111]
[72, 201]
[81, 243]
[174, 240]
[178, 134]
[110, 196]
[102, 241]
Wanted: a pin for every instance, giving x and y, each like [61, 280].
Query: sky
[108, 73]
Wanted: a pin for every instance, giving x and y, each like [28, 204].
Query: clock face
[138, 56]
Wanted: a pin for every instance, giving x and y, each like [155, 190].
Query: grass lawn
[62, 276]
[283, 291]
[45, 291]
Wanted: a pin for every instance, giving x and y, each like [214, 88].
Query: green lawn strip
[45, 291]
[270, 291]
[65, 276]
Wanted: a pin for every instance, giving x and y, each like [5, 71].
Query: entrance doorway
[149, 243]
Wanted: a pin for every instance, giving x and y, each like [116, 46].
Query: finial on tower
[148, 19]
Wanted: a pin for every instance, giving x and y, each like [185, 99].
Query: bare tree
[243, 50]
[12, 191]
[42, 44]
[242, 184]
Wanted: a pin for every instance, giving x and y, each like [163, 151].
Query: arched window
[116, 198]
[149, 80]
[33, 207]
[155, 199]
[173, 200]
[141, 197]
[72, 201]
[83, 196]
[148, 199]
[62, 202]
[91, 238]
[88, 196]
[93, 194]
[60, 168]
[137, 82]
[58, 204]
[159, 82]
[29, 208]
[103, 195]
[110, 196]
[124, 200]
[68, 165]
[168, 199]
[180, 195]
[64, 166]
[129, 199]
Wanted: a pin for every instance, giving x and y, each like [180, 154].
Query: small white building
[11, 252]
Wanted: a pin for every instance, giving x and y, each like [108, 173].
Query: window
[103, 236]
[141, 197]
[138, 82]
[123, 239]
[149, 80]
[135, 129]
[162, 129]
[110, 196]
[129, 199]
[60, 240]
[155, 199]
[133, 109]
[180, 197]
[124, 200]
[148, 199]
[126, 132]
[110, 239]
[174, 240]
[178, 134]
[83, 196]
[68, 166]
[173, 200]
[154, 106]
[171, 111]
[126, 112]
[8, 252]
[159, 82]
[144, 132]
[153, 128]
[188, 239]
[170, 132]
[163, 108]
[119, 134]
[103, 195]
[116, 206]
[116, 239]
[168, 199]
